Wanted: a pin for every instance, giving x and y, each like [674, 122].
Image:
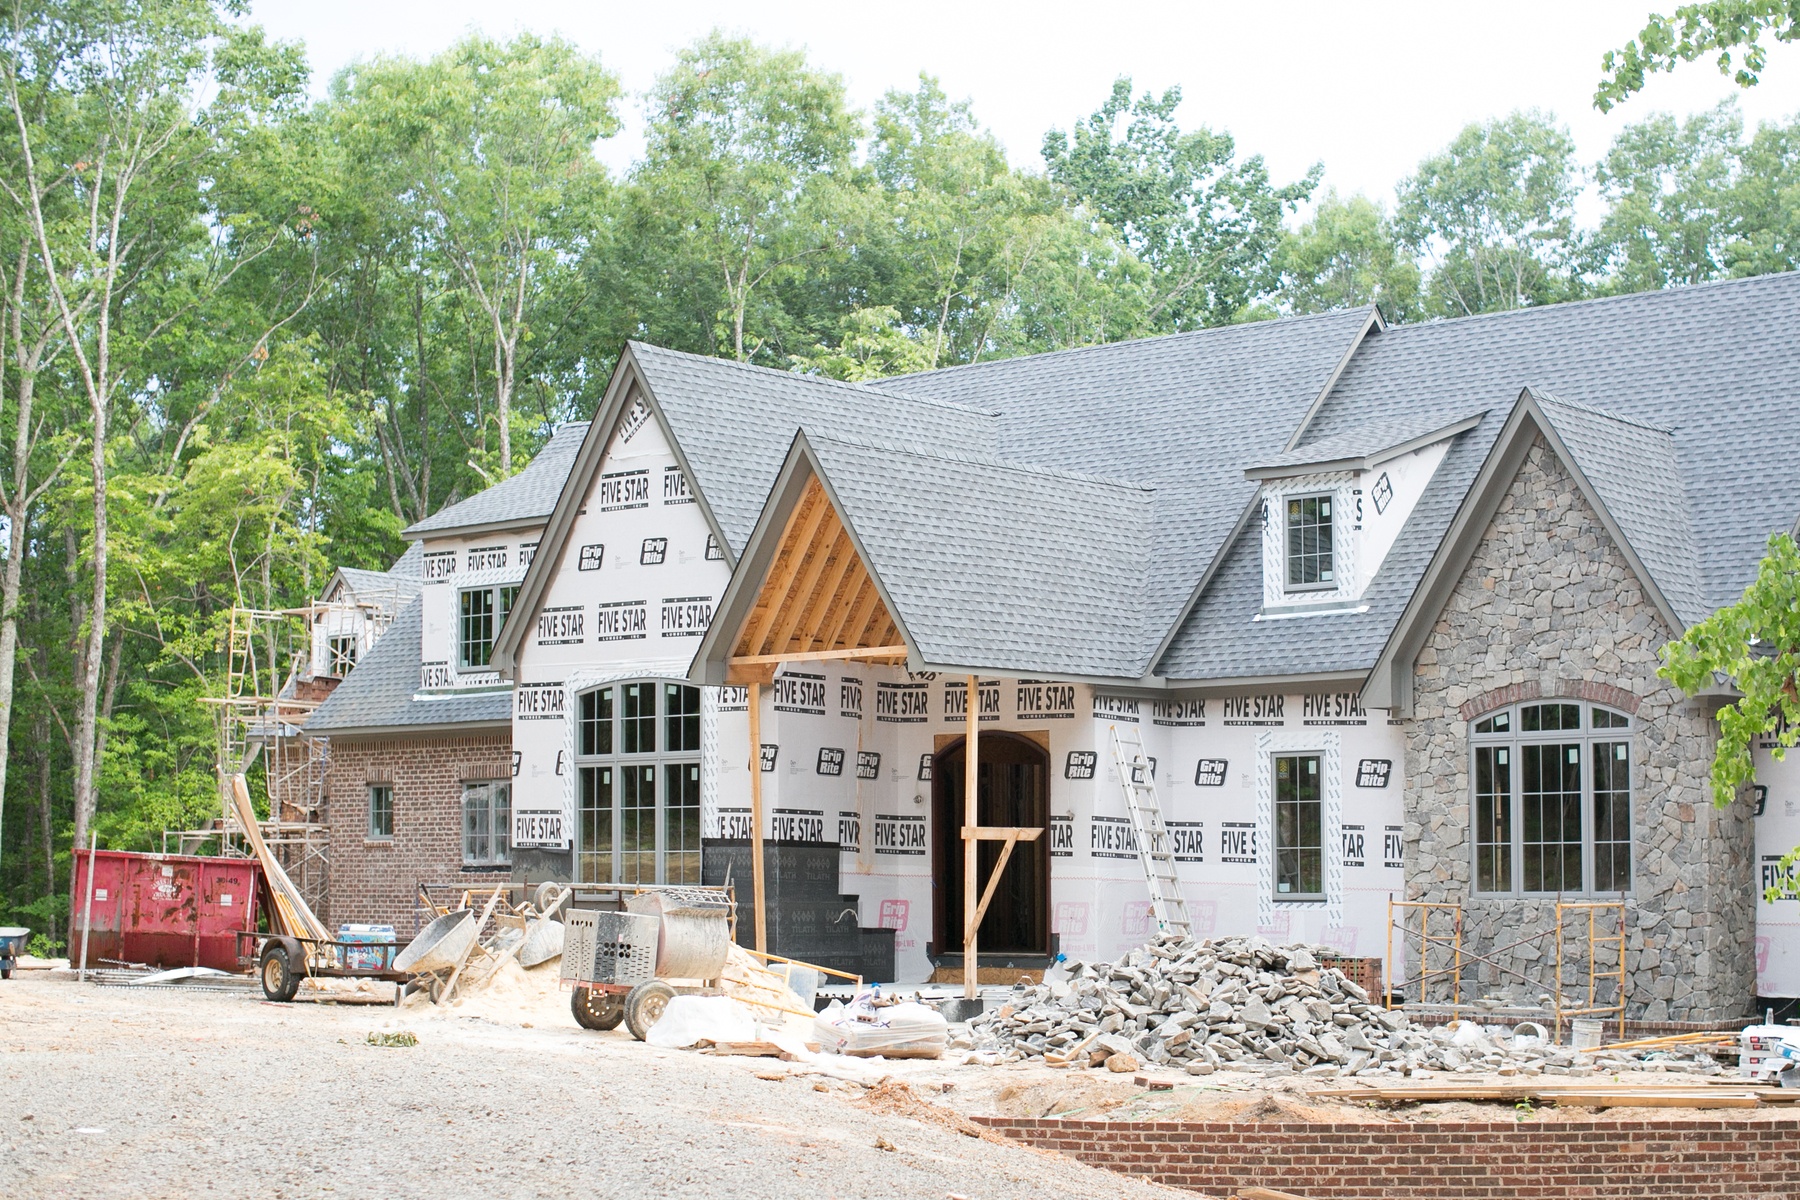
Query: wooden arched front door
[1013, 778]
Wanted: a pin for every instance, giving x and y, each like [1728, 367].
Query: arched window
[637, 765]
[1552, 799]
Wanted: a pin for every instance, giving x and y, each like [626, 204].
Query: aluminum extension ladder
[1156, 849]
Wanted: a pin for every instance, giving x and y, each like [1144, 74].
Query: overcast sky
[1368, 89]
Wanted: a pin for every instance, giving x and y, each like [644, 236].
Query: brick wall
[376, 881]
[1549, 607]
[1450, 1160]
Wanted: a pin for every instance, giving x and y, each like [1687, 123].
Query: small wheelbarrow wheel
[595, 1009]
[280, 981]
[644, 1005]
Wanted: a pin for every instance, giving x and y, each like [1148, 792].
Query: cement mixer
[627, 966]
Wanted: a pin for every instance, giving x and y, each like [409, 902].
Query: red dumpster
[168, 910]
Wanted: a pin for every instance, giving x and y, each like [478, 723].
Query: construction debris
[1623, 1095]
[868, 1026]
[1247, 1004]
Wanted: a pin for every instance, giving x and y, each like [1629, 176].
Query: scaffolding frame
[1579, 916]
[1591, 1005]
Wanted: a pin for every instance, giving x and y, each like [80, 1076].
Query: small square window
[1310, 560]
[381, 812]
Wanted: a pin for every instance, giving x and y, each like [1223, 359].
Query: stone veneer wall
[377, 881]
[1548, 607]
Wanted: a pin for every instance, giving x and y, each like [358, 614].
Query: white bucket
[1587, 1034]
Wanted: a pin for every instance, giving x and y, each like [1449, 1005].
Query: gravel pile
[1245, 1003]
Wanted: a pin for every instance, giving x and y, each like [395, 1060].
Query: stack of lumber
[750, 983]
[1584, 1095]
[289, 913]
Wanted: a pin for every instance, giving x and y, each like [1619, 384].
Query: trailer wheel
[279, 980]
[595, 1009]
[644, 1006]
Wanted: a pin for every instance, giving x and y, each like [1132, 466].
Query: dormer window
[1310, 556]
[1332, 509]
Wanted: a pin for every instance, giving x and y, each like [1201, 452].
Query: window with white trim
[1311, 554]
[487, 823]
[480, 614]
[637, 764]
[1299, 827]
[1552, 799]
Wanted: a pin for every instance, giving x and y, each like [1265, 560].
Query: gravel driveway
[114, 1092]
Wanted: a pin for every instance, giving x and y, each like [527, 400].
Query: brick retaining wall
[1538, 1159]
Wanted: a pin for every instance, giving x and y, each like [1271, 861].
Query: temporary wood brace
[974, 833]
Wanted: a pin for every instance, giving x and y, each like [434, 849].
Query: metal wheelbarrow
[12, 944]
[438, 948]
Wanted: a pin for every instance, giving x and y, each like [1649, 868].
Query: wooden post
[756, 818]
[971, 845]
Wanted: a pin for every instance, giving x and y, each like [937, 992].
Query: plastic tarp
[866, 1029]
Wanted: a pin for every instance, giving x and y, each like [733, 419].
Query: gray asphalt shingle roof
[736, 422]
[520, 499]
[1630, 464]
[1183, 413]
[1676, 406]
[378, 692]
[1717, 364]
[995, 564]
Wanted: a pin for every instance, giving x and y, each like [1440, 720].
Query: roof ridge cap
[982, 460]
[1647, 296]
[1190, 334]
[1578, 406]
[870, 387]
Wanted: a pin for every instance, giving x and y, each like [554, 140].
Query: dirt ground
[121, 1092]
[116, 1091]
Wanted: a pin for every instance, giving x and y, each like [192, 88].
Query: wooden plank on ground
[1589, 1096]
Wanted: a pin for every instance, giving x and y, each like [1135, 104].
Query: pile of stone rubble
[1246, 1004]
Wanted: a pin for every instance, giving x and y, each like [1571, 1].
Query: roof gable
[1631, 470]
[983, 564]
[730, 426]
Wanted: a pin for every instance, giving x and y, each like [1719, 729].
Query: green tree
[493, 145]
[1670, 189]
[746, 148]
[1206, 224]
[871, 344]
[121, 141]
[1495, 211]
[1754, 643]
[1347, 255]
[1765, 203]
[976, 258]
[1733, 28]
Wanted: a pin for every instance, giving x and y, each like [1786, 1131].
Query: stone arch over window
[1568, 689]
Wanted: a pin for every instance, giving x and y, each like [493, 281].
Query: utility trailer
[282, 960]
